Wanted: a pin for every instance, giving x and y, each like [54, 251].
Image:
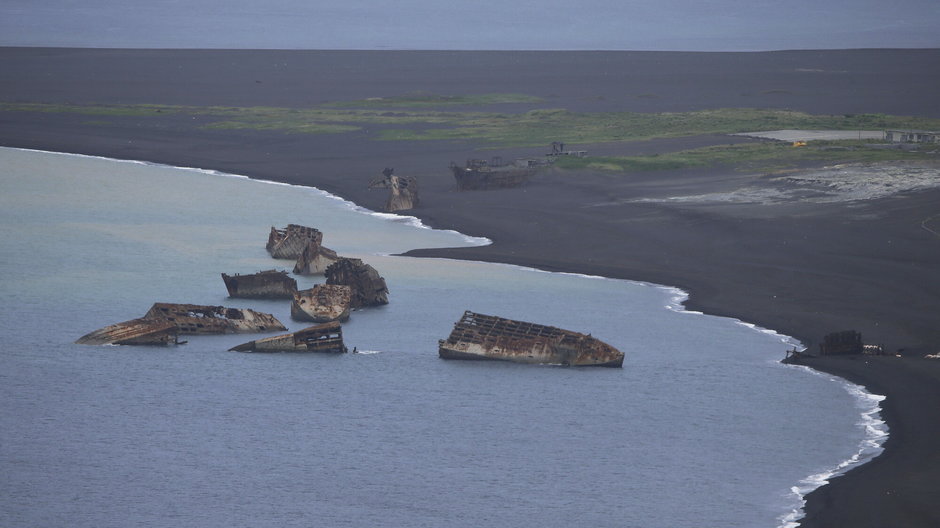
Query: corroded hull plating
[476, 177]
[367, 286]
[197, 319]
[134, 332]
[289, 243]
[325, 338]
[485, 337]
[270, 284]
[321, 304]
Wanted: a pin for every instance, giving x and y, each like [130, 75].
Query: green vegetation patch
[390, 119]
[747, 157]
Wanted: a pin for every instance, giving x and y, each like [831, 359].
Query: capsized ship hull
[485, 337]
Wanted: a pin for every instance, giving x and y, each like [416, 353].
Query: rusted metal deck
[289, 243]
[322, 303]
[197, 319]
[325, 338]
[134, 332]
[485, 337]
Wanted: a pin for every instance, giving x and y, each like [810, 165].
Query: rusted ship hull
[486, 178]
[325, 338]
[314, 259]
[322, 303]
[289, 243]
[194, 319]
[134, 332]
[367, 286]
[270, 284]
[485, 337]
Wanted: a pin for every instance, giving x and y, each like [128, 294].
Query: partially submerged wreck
[485, 337]
[367, 286]
[289, 243]
[134, 332]
[322, 303]
[164, 322]
[314, 259]
[402, 190]
[269, 284]
[325, 338]
[197, 319]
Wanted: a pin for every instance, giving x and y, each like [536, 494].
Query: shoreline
[803, 270]
[677, 303]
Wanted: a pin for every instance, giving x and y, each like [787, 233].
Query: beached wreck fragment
[321, 304]
[847, 342]
[134, 332]
[314, 259]
[485, 337]
[269, 284]
[199, 319]
[367, 286]
[289, 243]
[402, 190]
[482, 175]
[326, 338]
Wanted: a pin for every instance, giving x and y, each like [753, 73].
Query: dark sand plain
[801, 267]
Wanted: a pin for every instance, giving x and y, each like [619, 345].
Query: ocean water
[702, 427]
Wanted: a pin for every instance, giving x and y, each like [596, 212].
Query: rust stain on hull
[368, 288]
[289, 243]
[485, 337]
[134, 332]
[270, 284]
[322, 303]
[195, 319]
[324, 338]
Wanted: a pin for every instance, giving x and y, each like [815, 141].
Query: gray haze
[673, 25]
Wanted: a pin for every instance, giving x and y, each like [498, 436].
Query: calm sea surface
[701, 427]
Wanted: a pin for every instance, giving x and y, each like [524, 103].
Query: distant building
[912, 136]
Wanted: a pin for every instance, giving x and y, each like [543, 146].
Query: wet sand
[800, 267]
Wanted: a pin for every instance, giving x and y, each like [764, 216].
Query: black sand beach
[802, 268]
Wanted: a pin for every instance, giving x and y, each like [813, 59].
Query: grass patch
[533, 128]
[746, 157]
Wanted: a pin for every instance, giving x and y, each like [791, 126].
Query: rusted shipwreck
[305, 244]
[367, 287]
[269, 284]
[485, 337]
[482, 175]
[402, 190]
[134, 332]
[289, 243]
[165, 321]
[325, 338]
[322, 303]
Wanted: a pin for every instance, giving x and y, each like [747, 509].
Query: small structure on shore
[165, 321]
[402, 190]
[485, 337]
[912, 136]
[269, 284]
[322, 303]
[324, 338]
[367, 287]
